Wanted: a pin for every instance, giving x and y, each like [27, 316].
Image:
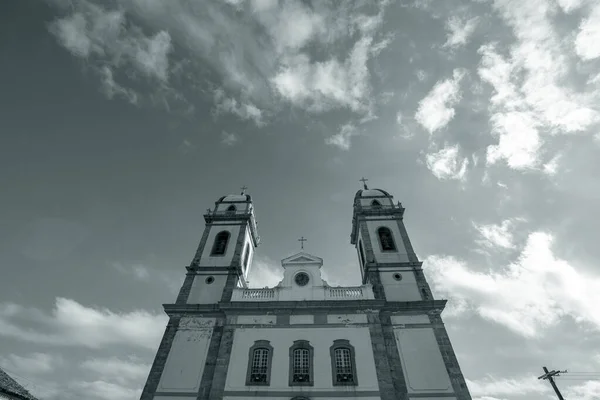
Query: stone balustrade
[317, 293]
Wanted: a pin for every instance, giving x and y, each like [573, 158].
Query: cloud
[228, 139]
[496, 236]
[531, 96]
[144, 273]
[342, 138]
[72, 324]
[33, 363]
[528, 295]
[244, 110]
[589, 390]
[131, 371]
[103, 390]
[436, 110]
[110, 88]
[264, 272]
[586, 42]
[94, 31]
[459, 31]
[445, 164]
[491, 386]
[326, 85]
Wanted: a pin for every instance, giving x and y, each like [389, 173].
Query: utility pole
[548, 375]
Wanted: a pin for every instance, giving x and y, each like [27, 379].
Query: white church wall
[409, 319]
[205, 293]
[405, 289]
[302, 319]
[298, 393]
[185, 363]
[256, 319]
[347, 319]
[387, 256]
[224, 260]
[422, 363]
[320, 338]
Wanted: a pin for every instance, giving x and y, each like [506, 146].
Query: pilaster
[160, 359]
[456, 377]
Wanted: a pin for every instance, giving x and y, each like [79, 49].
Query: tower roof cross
[364, 181]
[302, 240]
[244, 189]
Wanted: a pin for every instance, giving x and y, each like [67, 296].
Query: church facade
[304, 339]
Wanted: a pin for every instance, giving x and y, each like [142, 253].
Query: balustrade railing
[279, 293]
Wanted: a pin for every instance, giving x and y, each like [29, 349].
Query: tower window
[231, 209]
[386, 240]
[301, 364]
[362, 253]
[375, 204]
[259, 363]
[220, 244]
[246, 257]
[343, 363]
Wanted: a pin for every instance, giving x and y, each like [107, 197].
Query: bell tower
[386, 257]
[224, 255]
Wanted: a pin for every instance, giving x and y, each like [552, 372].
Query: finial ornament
[364, 181]
[302, 240]
[244, 189]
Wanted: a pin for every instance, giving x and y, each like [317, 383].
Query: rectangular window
[260, 363]
[301, 366]
[343, 366]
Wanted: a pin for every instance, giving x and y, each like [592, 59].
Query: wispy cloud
[531, 95]
[459, 31]
[491, 386]
[342, 138]
[33, 363]
[497, 236]
[436, 110]
[145, 273]
[528, 295]
[264, 272]
[445, 164]
[586, 42]
[244, 110]
[228, 138]
[73, 324]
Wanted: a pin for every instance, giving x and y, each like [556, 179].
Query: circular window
[209, 280]
[301, 279]
[397, 276]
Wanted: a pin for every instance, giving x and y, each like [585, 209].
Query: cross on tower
[364, 181]
[244, 189]
[302, 240]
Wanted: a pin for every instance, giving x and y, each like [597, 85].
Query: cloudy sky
[122, 121]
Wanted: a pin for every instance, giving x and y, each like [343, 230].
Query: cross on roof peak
[244, 189]
[302, 240]
[364, 181]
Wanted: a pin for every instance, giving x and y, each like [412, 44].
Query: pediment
[302, 258]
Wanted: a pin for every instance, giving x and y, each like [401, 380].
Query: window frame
[214, 246]
[395, 249]
[343, 344]
[259, 344]
[298, 345]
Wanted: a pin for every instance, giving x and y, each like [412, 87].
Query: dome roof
[236, 198]
[372, 193]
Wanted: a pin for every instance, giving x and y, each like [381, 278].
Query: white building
[305, 339]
